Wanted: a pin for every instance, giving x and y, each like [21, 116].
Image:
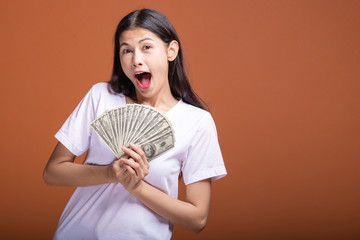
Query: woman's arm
[62, 171]
[191, 213]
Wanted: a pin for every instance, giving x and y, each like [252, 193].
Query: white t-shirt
[108, 211]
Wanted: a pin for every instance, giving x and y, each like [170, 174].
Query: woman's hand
[130, 169]
[191, 213]
[62, 171]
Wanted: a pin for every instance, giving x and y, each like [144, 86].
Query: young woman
[131, 198]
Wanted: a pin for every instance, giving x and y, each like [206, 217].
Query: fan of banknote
[138, 124]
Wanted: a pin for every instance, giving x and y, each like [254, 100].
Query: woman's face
[144, 58]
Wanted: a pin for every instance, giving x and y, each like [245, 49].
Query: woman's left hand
[137, 166]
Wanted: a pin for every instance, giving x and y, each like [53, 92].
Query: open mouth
[143, 79]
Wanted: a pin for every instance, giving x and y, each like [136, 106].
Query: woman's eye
[147, 47]
[125, 51]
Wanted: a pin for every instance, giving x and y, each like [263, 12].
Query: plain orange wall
[282, 82]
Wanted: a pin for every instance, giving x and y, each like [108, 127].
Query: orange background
[281, 79]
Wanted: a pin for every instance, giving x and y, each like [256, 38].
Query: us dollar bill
[158, 145]
[104, 135]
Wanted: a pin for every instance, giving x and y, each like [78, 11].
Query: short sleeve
[204, 159]
[75, 132]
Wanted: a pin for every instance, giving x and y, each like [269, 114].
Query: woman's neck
[162, 103]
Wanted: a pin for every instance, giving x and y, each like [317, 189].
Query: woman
[130, 198]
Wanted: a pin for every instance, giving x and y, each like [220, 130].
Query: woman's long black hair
[158, 24]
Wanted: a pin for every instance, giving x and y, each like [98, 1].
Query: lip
[140, 71]
[144, 86]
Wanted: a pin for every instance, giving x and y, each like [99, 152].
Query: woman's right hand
[130, 169]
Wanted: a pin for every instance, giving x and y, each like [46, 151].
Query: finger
[144, 164]
[130, 170]
[118, 169]
[128, 151]
[123, 160]
[129, 162]
[135, 166]
[137, 154]
[124, 156]
[138, 149]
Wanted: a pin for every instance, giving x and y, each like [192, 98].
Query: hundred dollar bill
[158, 146]
[136, 108]
[141, 121]
[150, 138]
[99, 129]
[121, 126]
[113, 123]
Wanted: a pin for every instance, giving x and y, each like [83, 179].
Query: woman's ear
[172, 50]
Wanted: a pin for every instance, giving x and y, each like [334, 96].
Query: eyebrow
[142, 40]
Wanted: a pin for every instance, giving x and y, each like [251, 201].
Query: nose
[137, 59]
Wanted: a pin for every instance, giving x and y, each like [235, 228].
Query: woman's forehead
[137, 35]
